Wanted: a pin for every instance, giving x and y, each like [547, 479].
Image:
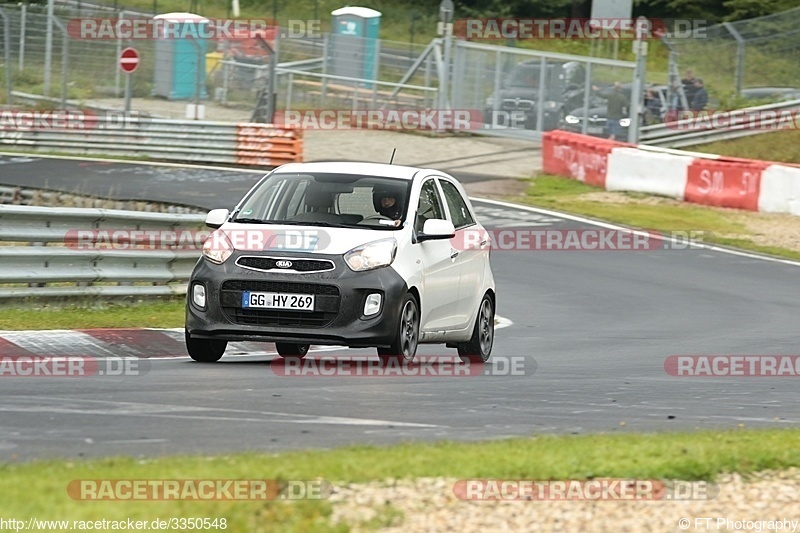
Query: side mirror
[217, 217]
[436, 228]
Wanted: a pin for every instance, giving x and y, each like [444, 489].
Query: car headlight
[218, 247]
[625, 122]
[490, 101]
[550, 105]
[372, 255]
[572, 119]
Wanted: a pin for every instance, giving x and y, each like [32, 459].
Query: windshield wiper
[250, 221]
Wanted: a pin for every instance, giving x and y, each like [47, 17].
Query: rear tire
[204, 350]
[289, 349]
[479, 347]
[406, 339]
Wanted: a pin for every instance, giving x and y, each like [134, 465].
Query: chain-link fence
[510, 85]
[732, 57]
[504, 89]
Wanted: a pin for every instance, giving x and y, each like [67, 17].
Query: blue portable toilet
[355, 42]
[180, 56]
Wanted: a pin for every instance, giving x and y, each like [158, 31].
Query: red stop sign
[129, 60]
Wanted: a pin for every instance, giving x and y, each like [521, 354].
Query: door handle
[453, 253]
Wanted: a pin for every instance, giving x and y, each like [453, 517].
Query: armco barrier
[252, 144]
[29, 267]
[690, 176]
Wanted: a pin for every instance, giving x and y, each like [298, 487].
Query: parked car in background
[519, 94]
[597, 121]
[775, 94]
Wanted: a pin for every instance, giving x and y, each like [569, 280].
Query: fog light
[199, 295]
[373, 304]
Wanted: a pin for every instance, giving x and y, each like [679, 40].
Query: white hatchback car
[353, 254]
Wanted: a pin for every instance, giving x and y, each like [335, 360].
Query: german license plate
[594, 129]
[277, 300]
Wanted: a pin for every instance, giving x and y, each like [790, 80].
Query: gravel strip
[429, 505]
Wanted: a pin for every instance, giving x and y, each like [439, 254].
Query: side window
[430, 205]
[459, 213]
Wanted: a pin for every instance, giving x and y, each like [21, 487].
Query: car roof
[354, 168]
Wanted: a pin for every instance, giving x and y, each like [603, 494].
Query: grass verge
[778, 146]
[720, 226]
[688, 456]
[144, 314]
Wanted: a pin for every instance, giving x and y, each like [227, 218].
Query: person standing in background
[616, 111]
[700, 98]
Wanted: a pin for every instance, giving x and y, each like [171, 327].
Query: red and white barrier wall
[690, 176]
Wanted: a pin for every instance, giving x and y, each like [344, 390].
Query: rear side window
[459, 213]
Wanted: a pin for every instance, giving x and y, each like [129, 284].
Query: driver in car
[387, 205]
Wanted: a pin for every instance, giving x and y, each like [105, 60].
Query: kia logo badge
[283, 264]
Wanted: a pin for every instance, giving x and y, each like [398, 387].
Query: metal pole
[587, 91]
[64, 67]
[289, 91]
[273, 63]
[637, 89]
[198, 79]
[375, 71]
[225, 75]
[23, 18]
[427, 77]
[7, 46]
[740, 44]
[540, 96]
[48, 47]
[127, 95]
[326, 41]
[444, 86]
[498, 79]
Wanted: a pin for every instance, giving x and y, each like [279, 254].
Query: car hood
[525, 93]
[600, 111]
[305, 239]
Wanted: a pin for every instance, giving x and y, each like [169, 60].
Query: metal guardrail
[686, 132]
[44, 248]
[252, 144]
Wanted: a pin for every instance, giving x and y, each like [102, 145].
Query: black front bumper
[340, 295]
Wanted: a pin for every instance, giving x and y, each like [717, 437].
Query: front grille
[524, 105]
[280, 286]
[327, 298]
[270, 317]
[298, 265]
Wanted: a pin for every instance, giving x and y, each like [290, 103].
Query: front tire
[288, 349]
[406, 338]
[204, 350]
[479, 347]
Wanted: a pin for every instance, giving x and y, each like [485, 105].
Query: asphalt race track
[594, 329]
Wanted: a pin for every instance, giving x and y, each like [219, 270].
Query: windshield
[336, 200]
[524, 76]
